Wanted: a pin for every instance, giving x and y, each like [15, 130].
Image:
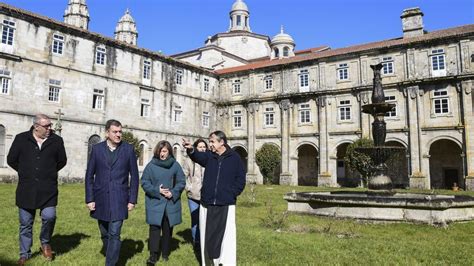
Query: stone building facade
[307, 103]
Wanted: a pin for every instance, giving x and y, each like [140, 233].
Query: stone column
[325, 176]
[285, 175]
[418, 178]
[252, 168]
[365, 118]
[468, 133]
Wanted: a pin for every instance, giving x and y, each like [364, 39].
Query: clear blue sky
[174, 26]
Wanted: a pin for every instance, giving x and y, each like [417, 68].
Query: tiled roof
[451, 32]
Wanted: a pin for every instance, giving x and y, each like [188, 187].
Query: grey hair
[39, 117]
[219, 135]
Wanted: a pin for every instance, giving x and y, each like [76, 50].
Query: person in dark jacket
[163, 181]
[111, 185]
[37, 155]
[224, 180]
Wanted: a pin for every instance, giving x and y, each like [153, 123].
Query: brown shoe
[47, 252]
[22, 261]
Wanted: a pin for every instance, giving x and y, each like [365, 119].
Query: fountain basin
[384, 206]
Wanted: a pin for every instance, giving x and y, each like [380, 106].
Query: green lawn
[305, 240]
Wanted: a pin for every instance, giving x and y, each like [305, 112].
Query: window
[239, 21]
[441, 101]
[268, 82]
[98, 99]
[8, 30]
[286, 51]
[269, 116]
[146, 69]
[343, 72]
[237, 119]
[5, 81]
[393, 112]
[277, 52]
[100, 55]
[304, 113]
[54, 90]
[205, 119]
[179, 76]
[145, 108]
[345, 110]
[178, 113]
[206, 85]
[387, 63]
[304, 80]
[58, 44]
[438, 63]
[236, 86]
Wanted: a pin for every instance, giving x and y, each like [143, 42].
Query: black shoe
[165, 258]
[151, 261]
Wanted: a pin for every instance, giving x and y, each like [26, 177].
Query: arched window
[94, 139]
[277, 52]
[286, 51]
[2, 146]
[142, 154]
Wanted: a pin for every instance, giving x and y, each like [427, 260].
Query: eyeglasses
[50, 125]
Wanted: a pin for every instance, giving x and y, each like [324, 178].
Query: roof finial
[127, 11]
[281, 29]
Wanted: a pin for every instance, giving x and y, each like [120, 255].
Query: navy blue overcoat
[112, 185]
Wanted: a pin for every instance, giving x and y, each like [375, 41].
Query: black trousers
[160, 234]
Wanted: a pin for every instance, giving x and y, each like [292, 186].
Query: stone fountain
[380, 202]
[380, 153]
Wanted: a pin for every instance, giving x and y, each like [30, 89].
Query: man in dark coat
[37, 155]
[224, 180]
[111, 187]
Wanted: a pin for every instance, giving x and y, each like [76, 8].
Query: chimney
[412, 22]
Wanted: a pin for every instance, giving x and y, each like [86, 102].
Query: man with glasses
[37, 155]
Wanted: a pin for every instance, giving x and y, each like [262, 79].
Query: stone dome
[282, 38]
[239, 5]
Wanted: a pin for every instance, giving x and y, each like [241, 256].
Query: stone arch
[447, 137]
[398, 165]
[345, 176]
[2, 145]
[276, 52]
[144, 153]
[177, 152]
[400, 141]
[242, 151]
[446, 163]
[308, 166]
[94, 139]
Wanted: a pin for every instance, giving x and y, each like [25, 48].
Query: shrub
[268, 158]
[275, 220]
[358, 161]
[131, 139]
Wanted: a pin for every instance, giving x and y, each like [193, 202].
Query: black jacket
[224, 178]
[37, 169]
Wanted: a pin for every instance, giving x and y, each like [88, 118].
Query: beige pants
[229, 243]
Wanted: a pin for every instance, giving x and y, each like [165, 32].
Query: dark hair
[196, 143]
[162, 144]
[112, 122]
[219, 135]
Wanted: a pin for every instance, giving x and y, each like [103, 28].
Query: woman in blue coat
[163, 181]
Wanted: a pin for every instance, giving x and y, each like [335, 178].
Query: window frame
[147, 66]
[100, 55]
[269, 117]
[179, 76]
[343, 72]
[236, 87]
[393, 113]
[58, 44]
[268, 83]
[178, 114]
[98, 99]
[303, 80]
[8, 32]
[388, 66]
[5, 82]
[54, 91]
[206, 117]
[441, 97]
[304, 114]
[145, 107]
[438, 54]
[237, 119]
[206, 85]
[346, 107]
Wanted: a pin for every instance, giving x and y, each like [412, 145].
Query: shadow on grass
[129, 249]
[62, 244]
[186, 235]
[7, 262]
